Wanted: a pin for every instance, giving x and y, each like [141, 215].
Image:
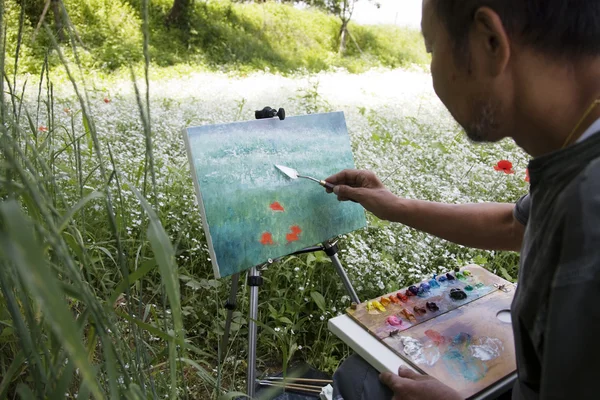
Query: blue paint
[442, 278]
[434, 284]
[459, 361]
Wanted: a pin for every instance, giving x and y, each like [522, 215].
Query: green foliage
[218, 34]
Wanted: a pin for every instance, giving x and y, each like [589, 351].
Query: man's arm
[490, 226]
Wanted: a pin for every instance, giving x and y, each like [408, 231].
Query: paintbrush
[293, 174]
[289, 386]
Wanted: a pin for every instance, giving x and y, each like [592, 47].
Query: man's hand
[365, 188]
[409, 385]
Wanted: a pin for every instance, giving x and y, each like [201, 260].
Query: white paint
[486, 348]
[427, 353]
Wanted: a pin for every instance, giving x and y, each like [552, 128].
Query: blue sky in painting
[238, 182]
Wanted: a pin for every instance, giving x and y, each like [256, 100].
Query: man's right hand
[365, 188]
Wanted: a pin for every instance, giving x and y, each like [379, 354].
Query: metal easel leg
[230, 306]
[331, 250]
[254, 281]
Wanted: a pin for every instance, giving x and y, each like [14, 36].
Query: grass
[107, 290]
[221, 35]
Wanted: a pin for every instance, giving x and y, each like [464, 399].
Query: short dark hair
[564, 28]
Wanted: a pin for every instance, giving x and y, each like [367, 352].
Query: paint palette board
[464, 344]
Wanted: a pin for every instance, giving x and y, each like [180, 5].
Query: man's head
[485, 53]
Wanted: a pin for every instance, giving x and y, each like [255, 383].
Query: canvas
[251, 212]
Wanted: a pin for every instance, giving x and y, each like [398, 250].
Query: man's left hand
[408, 385]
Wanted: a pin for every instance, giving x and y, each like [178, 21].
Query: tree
[343, 9]
[179, 14]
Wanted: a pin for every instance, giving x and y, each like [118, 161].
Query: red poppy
[276, 206]
[42, 128]
[266, 239]
[527, 175]
[296, 229]
[504, 166]
[106, 100]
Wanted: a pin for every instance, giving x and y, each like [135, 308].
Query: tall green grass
[62, 331]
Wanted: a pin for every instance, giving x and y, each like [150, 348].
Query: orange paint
[296, 229]
[276, 206]
[266, 239]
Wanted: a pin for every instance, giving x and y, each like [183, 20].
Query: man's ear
[490, 43]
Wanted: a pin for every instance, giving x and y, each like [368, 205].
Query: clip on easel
[255, 281]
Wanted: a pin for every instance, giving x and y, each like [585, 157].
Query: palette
[464, 342]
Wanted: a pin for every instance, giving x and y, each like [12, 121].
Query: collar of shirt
[593, 129]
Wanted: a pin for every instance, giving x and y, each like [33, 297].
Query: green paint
[237, 179]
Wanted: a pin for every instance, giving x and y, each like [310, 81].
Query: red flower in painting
[276, 206]
[266, 239]
[504, 166]
[106, 100]
[42, 128]
[527, 175]
[293, 236]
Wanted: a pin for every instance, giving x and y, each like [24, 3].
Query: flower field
[398, 129]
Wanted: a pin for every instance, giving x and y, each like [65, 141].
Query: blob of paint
[434, 284]
[402, 297]
[393, 320]
[486, 348]
[413, 289]
[427, 354]
[435, 336]
[457, 294]
[378, 306]
[277, 207]
[266, 239]
[449, 276]
[394, 299]
[385, 301]
[420, 310]
[442, 278]
[431, 306]
[468, 288]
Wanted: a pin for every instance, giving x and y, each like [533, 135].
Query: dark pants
[357, 380]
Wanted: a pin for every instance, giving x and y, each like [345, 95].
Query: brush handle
[327, 185]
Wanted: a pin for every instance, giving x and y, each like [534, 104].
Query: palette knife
[293, 174]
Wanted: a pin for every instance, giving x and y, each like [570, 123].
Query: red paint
[296, 229]
[409, 293]
[292, 237]
[266, 239]
[435, 336]
[394, 299]
[402, 297]
[276, 206]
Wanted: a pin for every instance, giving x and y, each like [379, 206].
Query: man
[530, 70]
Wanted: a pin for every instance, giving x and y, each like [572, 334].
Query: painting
[251, 211]
[448, 327]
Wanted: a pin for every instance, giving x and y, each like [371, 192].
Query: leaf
[67, 217]
[200, 371]
[233, 395]
[286, 320]
[319, 300]
[21, 247]
[139, 273]
[15, 366]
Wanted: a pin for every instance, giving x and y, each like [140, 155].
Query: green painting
[251, 211]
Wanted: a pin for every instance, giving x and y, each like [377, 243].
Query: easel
[255, 281]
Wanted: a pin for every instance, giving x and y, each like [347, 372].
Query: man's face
[470, 94]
